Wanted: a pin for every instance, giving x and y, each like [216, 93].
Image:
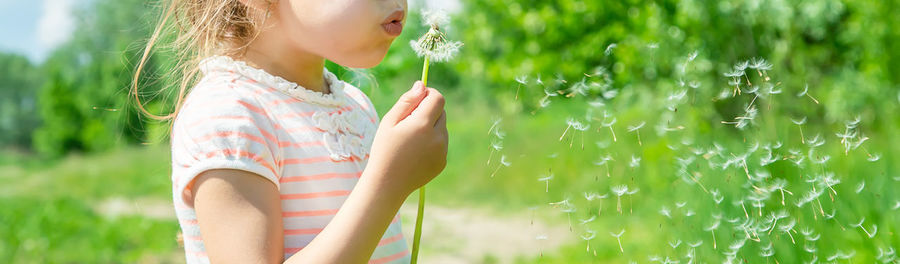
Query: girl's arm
[240, 215]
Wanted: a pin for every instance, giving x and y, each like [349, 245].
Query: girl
[276, 160]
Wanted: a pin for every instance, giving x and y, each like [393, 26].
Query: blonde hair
[201, 28]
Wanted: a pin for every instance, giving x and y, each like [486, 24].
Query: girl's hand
[410, 146]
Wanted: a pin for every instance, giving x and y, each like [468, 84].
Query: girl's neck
[300, 67]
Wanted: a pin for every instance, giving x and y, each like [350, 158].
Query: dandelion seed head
[434, 45]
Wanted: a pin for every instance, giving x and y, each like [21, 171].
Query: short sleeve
[222, 130]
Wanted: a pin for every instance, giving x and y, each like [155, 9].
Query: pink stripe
[307, 231]
[389, 258]
[320, 159]
[310, 113]
[252, 107]
[314, 195]
[301, 144]
[225, 134]
[392, 239]
[241, 153]
[309, 213]
[322, 176]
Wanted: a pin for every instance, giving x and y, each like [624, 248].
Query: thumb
[406, 104]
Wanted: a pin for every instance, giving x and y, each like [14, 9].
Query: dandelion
[546, 179]
[806, 93]
[570, 122]
[874, 157]
[712, 228]
[635, 162]
[619, 190]
[799, 124]
[565, 207]
[588, 236]
[780, 184]
[607, 122]
[717, 196]
[787, 228]
[604, 161]
[636, 129]
[860, 186]
[631, 192]
[675, 244]
[618, 237]
[541, 238]
[503, 163]
[522, 80]
[581, 127]
[761, 66]
[863, 228]
[610, 48]
[665, 211]
[432, 46]
[496, 146]
[775, 216]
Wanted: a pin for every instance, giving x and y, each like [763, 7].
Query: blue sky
[34, 27]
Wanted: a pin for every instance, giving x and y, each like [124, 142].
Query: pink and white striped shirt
[312, 146]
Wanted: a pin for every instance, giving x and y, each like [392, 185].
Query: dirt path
[461, 235]
[450, 235]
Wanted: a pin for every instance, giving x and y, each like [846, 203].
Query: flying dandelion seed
[712, 228]
[495, 147]
[587, 237]
[546, 179]
[522, 80]
[618, 237]
[541, 238]
[610, 48]
[787, 228]
[636, 129]
[805, 92]
[503, 163]
[604, 161]
[608, 121]
[619, 190]
[635, 162]
[665, 212]
[863, 228]
[799, 124]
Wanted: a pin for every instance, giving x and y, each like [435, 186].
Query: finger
[431, 107]
[441, 121]
[406, 104]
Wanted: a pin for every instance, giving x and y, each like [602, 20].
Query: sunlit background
[581, 132]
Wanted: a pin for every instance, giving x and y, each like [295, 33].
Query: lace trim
[336, 98]
[348, 134]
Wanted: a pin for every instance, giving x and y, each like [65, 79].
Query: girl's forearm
[354, 232]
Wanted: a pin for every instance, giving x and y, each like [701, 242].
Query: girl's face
[352, 33]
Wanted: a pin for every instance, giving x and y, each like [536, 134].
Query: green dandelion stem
[417, 236]
[425, 72]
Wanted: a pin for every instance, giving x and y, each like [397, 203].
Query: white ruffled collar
[336, 98]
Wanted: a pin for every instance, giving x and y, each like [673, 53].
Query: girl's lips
[393, 28]
[393, 23]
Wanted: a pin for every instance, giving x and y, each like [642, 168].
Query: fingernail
[418, 88]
